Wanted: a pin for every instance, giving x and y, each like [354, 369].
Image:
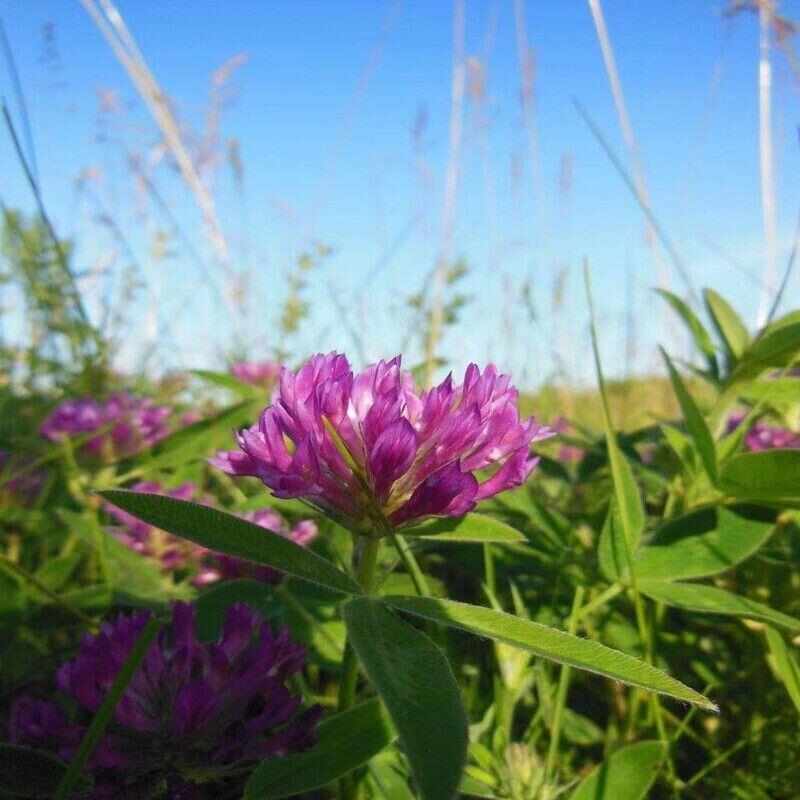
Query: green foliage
[665, 559]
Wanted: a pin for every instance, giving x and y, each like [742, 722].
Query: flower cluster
[191, 709]
[372, 449]
[123, 424]
[763, 436]
[257, 373]
[174, 553]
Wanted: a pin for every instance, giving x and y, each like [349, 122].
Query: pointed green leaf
[417, 685]
[345, 742]
[777, 346]
[767, 475]
[703, 543]
[682, 446]
[226, 381]
[195, 441]
[612, 549]
[548, 643]
[626, 492]
[728, 323]
[701, 337]
[476, 528]
[786, 665]
[628, 774]
[711, 600]
[225, 533]
[695, 423]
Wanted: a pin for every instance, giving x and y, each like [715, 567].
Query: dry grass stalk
[631, 144]
[113, 28]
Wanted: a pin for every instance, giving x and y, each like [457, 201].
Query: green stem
[561, 694]
[404, 551]
[365, 558]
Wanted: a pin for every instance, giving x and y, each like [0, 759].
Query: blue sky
[323, 112]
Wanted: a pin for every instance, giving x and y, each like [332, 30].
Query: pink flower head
[371, 449]
[258, 373]
[124, 423]
[566, 452]
[763, 436]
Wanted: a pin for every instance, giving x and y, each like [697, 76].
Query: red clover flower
[371, 449]
[124, 423]
[191, 710]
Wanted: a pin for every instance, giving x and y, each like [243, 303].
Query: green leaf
[55, 572]
[777, 346]
[702, 338]
[766, 475]
[695, 423]
[786, 665]
[417, 685]
[628, 774]
[728, 324]
[626, 492]
[779, 393]
[476, 528]
[711, 600]
[549, 643]
[104, 714]
[225, 381]
[25, 772]
[346, 741]
[682, 446]
[611, 549]
[195, 441]
[132, 577]
[702, 543]
[213, 604]
[226, 533]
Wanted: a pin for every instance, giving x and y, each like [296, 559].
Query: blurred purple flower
[566, 452]
[124, 423]
[258, 373]
[190, 706]
[373, 450]
[762, 436]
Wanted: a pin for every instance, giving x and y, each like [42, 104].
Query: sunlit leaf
[549, 643]
[711, 600]
[627, 774]
[226, 533]
[477, 528]
[702, 543]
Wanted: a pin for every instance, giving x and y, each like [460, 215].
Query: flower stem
[420, 584]
[561, 695]
[365, 563]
